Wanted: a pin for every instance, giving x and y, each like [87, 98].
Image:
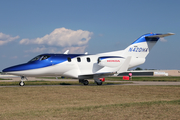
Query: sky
[32, 27]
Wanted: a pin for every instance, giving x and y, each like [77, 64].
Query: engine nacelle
[111, 61]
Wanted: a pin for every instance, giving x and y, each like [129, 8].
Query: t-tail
[141, 47]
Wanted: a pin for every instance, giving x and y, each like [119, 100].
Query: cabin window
[88, 59]
[79, 59]
[99, 60]
[69, 59]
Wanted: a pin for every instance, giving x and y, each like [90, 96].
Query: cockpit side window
[40, 57]
[44, 57]
[36, 58]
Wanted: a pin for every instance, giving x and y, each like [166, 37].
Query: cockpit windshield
[40, 57]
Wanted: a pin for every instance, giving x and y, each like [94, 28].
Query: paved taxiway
[133, 82]
[153, 83]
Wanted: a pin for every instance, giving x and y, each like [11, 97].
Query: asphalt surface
[153, 83]
[133, 82]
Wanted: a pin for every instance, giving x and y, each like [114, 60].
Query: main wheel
[99, 83]
[21, 83]
[86, 82]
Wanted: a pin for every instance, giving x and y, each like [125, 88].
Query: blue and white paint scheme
[86, 66]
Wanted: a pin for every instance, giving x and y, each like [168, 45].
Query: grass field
[4, 79]
[90, 102]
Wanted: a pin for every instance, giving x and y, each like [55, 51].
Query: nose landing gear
[21, 83]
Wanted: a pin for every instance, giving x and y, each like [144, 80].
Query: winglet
[125, 65]
[66, 52]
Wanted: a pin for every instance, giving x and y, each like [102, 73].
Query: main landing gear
[85, 82]
[98, 81]
[21, 83]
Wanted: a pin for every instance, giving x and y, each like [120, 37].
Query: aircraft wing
[99, 75]
[125, 65]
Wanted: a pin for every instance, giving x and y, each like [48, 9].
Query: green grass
[175, 102]
[4, 79]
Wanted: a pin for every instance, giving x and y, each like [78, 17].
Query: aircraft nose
[27, 66]
[9, 69]
[14, 68]
[5, 70]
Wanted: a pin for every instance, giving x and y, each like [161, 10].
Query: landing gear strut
[85, 82]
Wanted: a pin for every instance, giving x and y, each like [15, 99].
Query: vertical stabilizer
[141, 47]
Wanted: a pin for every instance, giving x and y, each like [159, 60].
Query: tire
[86, 82]
[99, 83]
[21, 83]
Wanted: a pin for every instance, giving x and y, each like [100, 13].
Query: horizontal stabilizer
[160, 35]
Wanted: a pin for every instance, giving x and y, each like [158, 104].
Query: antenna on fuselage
[66, 52]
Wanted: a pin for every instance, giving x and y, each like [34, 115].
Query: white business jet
[86, 66]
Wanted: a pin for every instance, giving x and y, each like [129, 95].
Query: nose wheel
[21, 83]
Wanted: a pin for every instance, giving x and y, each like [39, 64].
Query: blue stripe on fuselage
[105, 57]
[52, 60]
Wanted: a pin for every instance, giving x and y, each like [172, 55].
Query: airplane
[87, 66]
